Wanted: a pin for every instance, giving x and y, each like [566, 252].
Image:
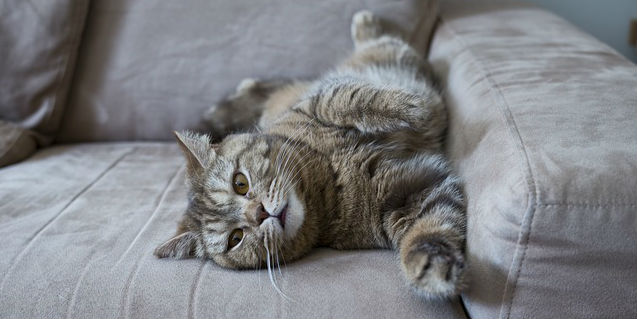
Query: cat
[352, 160]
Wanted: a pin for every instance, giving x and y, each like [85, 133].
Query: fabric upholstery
[39, 41]
[79, 224]
[15, 143]
[543, 131]
[149, 67]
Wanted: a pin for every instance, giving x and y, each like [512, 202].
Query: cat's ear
[181, 246]
[196, 148]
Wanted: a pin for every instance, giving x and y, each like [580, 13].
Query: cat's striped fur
[354, 158]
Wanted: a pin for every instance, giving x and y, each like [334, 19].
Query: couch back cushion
[38, 41]
[148, 67]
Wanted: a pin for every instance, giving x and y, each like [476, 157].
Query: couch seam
[192, 298]
[124, 308]
[60, 213]
[532, 189]
[588, 204]
[160, 200]
[76, 289]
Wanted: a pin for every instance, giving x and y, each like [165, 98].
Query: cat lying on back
[351, 160]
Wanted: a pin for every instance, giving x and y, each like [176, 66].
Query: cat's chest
[356, 222]
[355, 170]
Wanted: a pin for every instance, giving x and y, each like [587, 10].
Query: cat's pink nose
[262, 214]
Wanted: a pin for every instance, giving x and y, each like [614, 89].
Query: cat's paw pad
[365, 26]
[434, 268]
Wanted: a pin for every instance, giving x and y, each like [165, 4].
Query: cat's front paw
[216, 118]
[238, 112]
[433, 267]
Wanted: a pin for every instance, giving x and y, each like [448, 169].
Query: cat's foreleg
[429, 232]
[431, 256]
[367, 108]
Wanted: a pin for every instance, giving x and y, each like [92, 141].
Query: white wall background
[607, 20]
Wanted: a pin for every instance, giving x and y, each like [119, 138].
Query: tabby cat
[351, 160]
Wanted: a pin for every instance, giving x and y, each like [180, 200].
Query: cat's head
[244, 209]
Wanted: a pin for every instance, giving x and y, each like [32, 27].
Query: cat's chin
[294, 217]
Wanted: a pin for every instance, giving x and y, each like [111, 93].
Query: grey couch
[543, 130]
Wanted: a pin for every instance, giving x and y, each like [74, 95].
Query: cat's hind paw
[433, 267]
[365, 26]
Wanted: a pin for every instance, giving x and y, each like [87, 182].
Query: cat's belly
[361, 166]
[358, 222]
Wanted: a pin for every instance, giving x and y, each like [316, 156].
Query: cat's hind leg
[378, 45]
[241, 110]
[365, 27]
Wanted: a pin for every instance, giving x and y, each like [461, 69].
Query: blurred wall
[608, 20]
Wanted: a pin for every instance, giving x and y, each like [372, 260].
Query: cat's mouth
[282, 215]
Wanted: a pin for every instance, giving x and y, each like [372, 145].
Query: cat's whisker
[291, 180]
[270, 265]
[297, 142]
[286, 150]
[292, 173]
[257, 252]
[291, 165]
[286, 166]
[279, 155]
[300, 170]
[283, 151]
[276, 253]
[271, 189]
[289, 188]
[282, 258]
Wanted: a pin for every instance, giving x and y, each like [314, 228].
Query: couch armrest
[544, 132]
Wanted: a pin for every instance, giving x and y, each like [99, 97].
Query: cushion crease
[60, 213]
[192, 298]
[161, 198]
[532, 190]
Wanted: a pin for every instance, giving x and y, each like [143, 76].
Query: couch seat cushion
[79, 224]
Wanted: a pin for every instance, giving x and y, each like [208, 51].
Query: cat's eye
[235, 238]
[240, 184]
